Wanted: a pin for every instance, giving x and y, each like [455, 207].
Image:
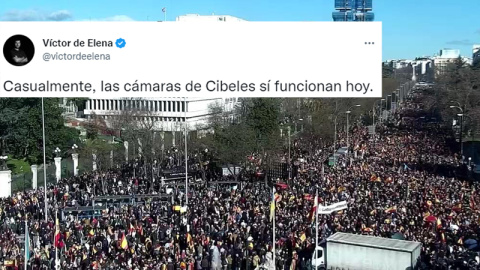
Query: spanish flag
[124, 243]
[272, 205]
[443, 238]
[303, 237]
[91, 232]
[58, 237]
[189, 238]
[390, 210]
[439, 223]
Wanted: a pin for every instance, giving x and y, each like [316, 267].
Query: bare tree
[141, 127]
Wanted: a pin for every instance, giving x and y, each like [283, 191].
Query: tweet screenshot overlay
[146, 59]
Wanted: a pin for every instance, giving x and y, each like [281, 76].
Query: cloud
[116, 18]
[463, 42]
[35, 15]
[61, 15]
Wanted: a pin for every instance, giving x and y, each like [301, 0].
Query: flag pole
[44, 163]
[316, 223]
[274, 242]
[186, 151]
[56, 246]
[27, 245]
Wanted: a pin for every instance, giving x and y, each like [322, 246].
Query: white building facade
[446, 57]
[166, 114]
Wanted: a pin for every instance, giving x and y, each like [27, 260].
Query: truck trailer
[345, 251]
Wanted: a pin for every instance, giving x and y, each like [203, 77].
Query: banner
[325, 210]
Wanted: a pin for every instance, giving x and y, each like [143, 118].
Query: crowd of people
[224, 227]
[402, 182]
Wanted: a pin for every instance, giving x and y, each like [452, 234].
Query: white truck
[360, 252]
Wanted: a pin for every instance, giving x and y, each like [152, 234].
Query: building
[167, 115]
[353, 10]
[207, 18]
[398, 63]
[445, 57]
[476, 55]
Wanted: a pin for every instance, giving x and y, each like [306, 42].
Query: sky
[411, 28]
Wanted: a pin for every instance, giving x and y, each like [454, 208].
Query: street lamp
[348, 129]
[461, 126]
[57, 152]
[74, 148]
[3, 158]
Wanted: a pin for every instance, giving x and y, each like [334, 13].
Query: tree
[459, 84]
[21, 127]
[387, 70]
[140, 127]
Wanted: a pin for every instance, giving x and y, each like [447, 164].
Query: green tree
[21, 127]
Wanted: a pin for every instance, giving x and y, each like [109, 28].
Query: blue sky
[410, 27]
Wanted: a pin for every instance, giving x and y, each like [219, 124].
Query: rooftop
[363, 240]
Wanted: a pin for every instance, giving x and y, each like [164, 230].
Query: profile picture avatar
[18, 50]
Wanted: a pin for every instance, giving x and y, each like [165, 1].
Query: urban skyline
[426, 32]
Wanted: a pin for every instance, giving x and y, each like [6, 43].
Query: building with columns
[166, 114]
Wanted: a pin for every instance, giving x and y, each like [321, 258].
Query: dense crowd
[226, 226]
[401, 183]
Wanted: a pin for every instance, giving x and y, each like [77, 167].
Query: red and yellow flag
[124, 243]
